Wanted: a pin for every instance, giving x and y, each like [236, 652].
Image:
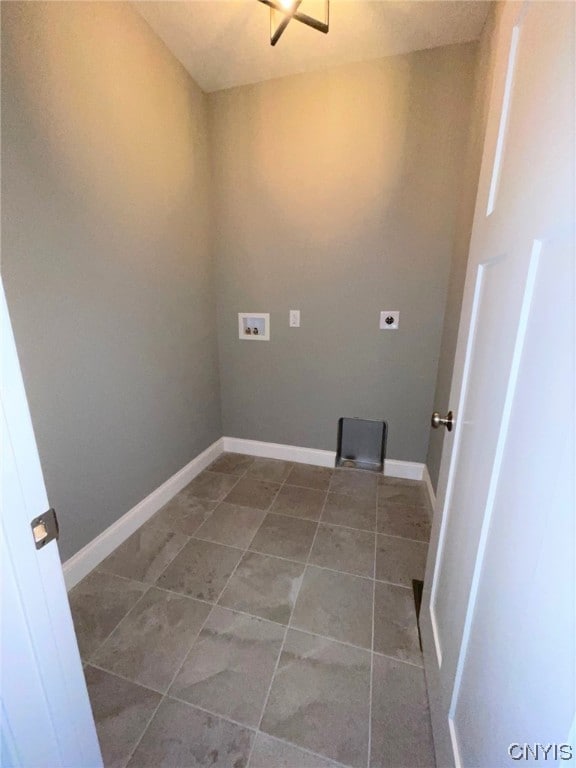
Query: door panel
[496, 318]
[498, 618]
[534, 579]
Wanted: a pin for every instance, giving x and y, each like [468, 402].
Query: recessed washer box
[254, 326]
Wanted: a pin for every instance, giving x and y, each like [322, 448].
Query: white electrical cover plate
[254, 326]
[294, 318]
[389, 320]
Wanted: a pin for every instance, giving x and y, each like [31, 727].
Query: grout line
[123, 619]
[216, 600]
[132, 608]
[263, 710]
[303, 749]
[404, 538]
[371, 694]
[229, 578]
[254, 615]
[400, 661]
[216, 501]
[242, 474]
[164, 695]
[216, 472]
[245, 613]
[247, 549]
[123, 677]
[269, 509]
[296, 517]
[254, 729]
[262, 554]
[331, 639]
[249, 758]
[204, 602]
[259, 618]
[266, 512]
[240, 549]
[248, 615]
[225, 474]
[393, 503]
[288, 626]
[220, 716]
[382, 581]
[218, 543]
[305, 562]
[163, 527]
[368, 759]
[98, 569]
[188, 538]
[407, 482]
[306, 488]
[282, 484]
[392, 584]
[137, 744]
[341, 525]
[221, 543]
[348, 527]
[109, 635]
[175, 675]
[213, 714]
[264, 705]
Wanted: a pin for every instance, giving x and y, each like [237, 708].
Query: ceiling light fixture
[283, 11]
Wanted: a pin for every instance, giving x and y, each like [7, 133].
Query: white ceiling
[225, 43]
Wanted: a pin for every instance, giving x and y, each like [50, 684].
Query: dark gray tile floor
[263, 618]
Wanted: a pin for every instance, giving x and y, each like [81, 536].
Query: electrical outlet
[294, 318]
[389, 320]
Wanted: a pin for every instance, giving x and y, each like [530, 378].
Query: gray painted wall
[462, 232]
[106, 255]
[336, 193]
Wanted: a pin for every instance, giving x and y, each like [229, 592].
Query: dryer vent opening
[361, 444]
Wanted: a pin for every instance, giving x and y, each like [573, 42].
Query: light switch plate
[294, 318]
[389, 320]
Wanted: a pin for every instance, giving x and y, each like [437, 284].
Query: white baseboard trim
[278, 451]
[408, 470]
[80, 564]
[429, 488]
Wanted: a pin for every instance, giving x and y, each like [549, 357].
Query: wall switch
[389, 320]
[294, 318]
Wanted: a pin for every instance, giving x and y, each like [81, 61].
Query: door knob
[448, 421]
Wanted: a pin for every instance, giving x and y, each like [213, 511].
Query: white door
[498, 617]
[46, 720]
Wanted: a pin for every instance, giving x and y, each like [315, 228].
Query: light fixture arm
[292, 13]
